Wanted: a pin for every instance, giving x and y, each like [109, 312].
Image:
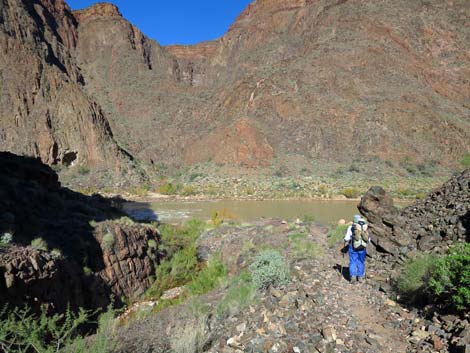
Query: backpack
[360, 235]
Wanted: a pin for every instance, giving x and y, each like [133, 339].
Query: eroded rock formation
[315, 85]
[74, 264]
[430, 224]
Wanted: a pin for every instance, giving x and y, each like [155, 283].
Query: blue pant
[357, 259]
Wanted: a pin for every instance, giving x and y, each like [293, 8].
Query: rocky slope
[290, 84]
[318, 311]
[44, 110]
[291, 80]
[89, 250]
[430, 224]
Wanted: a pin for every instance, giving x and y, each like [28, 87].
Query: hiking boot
[360, 280]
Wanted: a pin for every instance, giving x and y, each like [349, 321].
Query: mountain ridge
[313, 81]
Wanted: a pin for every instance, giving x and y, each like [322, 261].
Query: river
[243, 210]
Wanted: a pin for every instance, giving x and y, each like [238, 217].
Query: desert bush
[174, 272]
[56, 253]
[6, 238]
[194, 176]
[169, 188]
[190, 337]
[141, 190]
[21, 331]
[308, 218]
[269, 269]
[336, 234]
[351, 193]
[39, 244]
[219, 217]
[188, 190]
[413, 283]
[450, 278]
[240, 294]
[305, 248]
[465, 162]
[101, 342]
[83, 170]
[108, 241]
[208, 278]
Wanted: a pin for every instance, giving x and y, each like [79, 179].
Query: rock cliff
[317, 81]
[321, 80]
[89, 251]
[45, 111]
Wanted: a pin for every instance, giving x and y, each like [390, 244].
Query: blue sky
[177, 22]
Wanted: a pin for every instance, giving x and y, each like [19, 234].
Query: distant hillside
[322, 80]
[305, 82]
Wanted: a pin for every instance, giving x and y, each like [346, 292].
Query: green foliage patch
[208, 278]
[336, 234]
[240, 294]
[466, 160]
[21, 331]
[444, 280]
[269, 269]
[413, 282]
[450, 280]
[39, 244]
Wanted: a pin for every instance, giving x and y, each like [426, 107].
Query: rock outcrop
[89, 250]
[309, 81]
[430, 224]
[45, 111]
[129, 259]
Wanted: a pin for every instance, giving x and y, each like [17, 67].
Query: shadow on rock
[66, 248]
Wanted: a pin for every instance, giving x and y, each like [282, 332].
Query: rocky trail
[318, 311]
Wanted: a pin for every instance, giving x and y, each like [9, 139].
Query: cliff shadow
[52, 227]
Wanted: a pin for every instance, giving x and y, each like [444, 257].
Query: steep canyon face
[316, 79]
[313, 80]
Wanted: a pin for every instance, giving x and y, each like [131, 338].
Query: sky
[177, 21]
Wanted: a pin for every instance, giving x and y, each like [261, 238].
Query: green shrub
[336, 234]
[169, 188]
[305, 248]
[297, 236]
[152, 244]
[174, 272]
[39, 244]
[413, 283]
[22, 331]
[219, 217]
[141, 190]
[194, 176]
[450, 280]
[56, 253]
[208, 278]
[269, 269]
[83, 170]
[240, 294]
[466, 160]
[108, 241]
[308, 218]
[188, 190]
[6, 238]
[351, 193]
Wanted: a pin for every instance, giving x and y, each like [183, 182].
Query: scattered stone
[172, 293]
[329, 334]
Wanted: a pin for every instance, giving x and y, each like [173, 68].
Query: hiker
[357, 236]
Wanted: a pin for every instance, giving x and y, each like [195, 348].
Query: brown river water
[243, 210]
